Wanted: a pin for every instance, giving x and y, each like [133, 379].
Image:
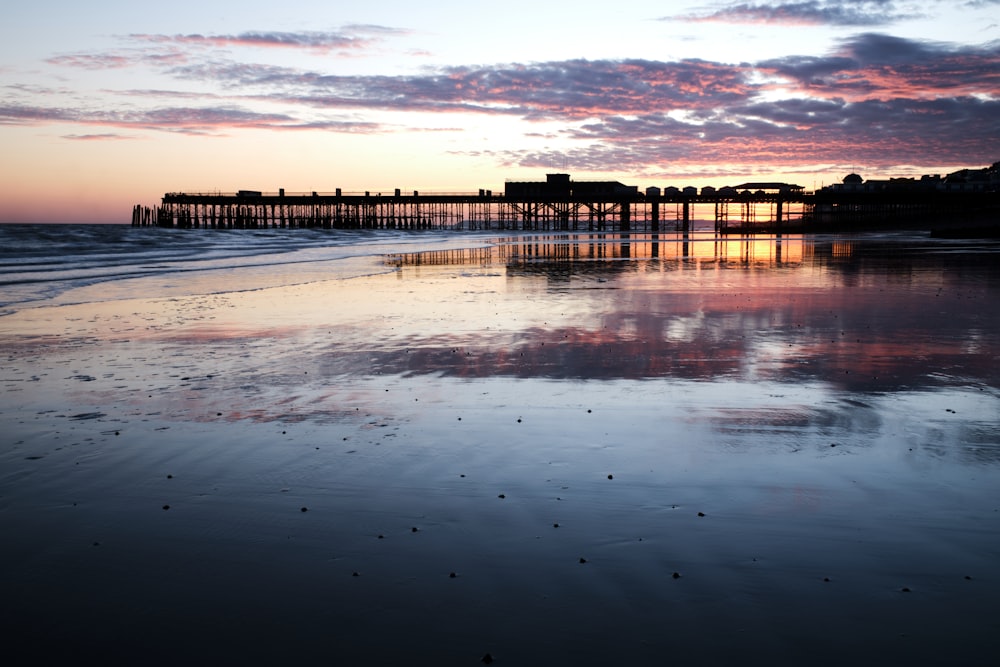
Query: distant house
[986, 179]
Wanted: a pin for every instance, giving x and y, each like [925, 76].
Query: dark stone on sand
[904, 589]
[701, 514]
[356, 574]
[611, 476]
[170, 476]
[676, 575]
[555, 525]
[381, 537]
[518, 420]
[166, 507]
[413, 530]
[452, 575]
[304, 509]
[583, 560]
[501, 496]
[826, 579]
[968, 578]
[487, 659]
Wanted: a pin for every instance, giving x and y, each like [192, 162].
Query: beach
[526, 449]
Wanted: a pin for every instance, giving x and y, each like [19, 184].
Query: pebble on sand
[304, 509]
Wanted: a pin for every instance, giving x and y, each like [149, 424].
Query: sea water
[42, 262]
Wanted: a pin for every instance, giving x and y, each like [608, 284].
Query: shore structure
[970, 197]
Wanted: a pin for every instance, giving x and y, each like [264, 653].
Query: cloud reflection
[777, 310]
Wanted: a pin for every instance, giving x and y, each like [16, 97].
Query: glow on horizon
[107, 106]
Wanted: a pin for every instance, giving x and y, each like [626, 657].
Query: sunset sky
[105, 105]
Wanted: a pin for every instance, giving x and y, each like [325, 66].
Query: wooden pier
[559, 204]
[479, 211]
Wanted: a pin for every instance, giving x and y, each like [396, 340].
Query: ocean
[41, 262]
[453, 448]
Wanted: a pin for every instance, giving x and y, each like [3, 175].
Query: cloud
[810, 12]
[875, 98]
[119, 59]
[873, 66]
[793, 132]
[106, 136]
[572, 89]
[347, 39]
[185, 120]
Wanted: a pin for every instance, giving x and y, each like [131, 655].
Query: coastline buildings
[986, 179]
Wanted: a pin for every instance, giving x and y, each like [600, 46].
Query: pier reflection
[700, 247]
[864, 317]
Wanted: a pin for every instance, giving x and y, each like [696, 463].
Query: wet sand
[579, 453]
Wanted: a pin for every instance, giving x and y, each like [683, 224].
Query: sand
[552, 454]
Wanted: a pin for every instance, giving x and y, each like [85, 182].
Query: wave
[54, 264]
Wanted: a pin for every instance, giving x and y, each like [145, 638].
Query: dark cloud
[814, 12]
[903, 131]
[877, 66]
[572, 89]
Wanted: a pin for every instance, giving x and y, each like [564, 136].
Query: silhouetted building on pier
[559, 186]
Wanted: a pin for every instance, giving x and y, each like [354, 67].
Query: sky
[110, 104]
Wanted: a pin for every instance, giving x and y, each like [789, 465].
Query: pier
[559, 204]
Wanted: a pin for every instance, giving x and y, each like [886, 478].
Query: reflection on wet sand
[709, 308]
[766, 250]
[805, 430]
